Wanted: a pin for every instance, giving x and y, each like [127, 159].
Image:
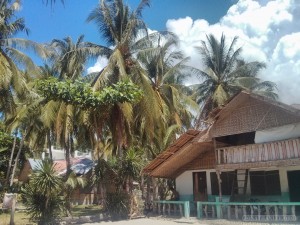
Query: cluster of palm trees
[151, 61]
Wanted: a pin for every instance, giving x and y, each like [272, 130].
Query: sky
[268, 30]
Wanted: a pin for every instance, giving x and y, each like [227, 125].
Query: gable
[186, 148]
[248, 113]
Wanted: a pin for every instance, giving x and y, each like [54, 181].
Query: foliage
[6, 140]
[118, 205]
[6, 144]
[226, 73]
[41, 195]
[102, 172]
[132, 164]
[81, 94]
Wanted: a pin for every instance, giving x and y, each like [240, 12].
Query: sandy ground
[183, 221]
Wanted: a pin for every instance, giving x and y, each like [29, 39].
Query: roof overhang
[185, 149]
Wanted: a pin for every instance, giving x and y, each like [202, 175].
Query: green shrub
[42, 195]
[118, 205]
[42, 209]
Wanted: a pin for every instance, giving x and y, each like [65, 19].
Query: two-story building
[250, 151]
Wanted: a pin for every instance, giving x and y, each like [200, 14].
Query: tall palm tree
[167, 70]
[225, 73]
[12, 81]
[23, 121]
[68, 60]
[120, 27]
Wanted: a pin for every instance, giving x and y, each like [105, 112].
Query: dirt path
[164, 221]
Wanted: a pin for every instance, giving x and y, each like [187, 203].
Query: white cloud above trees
[268, 31]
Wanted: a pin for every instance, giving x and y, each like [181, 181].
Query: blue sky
[46, 23]
[268, 30]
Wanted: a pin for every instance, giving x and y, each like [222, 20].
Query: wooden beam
[220, 184]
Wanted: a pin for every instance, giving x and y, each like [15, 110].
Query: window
[238, 139]
[265, 182]
[228, 179]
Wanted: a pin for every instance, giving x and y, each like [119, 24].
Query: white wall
[278, 133]
[184, 183]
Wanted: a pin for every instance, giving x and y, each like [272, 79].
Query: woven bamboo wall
[206, 160]
[251, 114]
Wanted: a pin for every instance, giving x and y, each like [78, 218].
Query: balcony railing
[248, 211]
[172, 208]
[271, 151]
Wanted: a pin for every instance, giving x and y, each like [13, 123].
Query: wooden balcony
[286, 152]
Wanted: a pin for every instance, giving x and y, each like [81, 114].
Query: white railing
[249, 211]
[271, 151]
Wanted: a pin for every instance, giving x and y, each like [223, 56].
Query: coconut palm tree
[123, 30]
[119, 26]
[225, 73]
[23, 121]
[68, 60]
[12, 81]
[167, 71]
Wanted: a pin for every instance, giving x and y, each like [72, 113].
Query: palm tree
[167, 70]
[225, 74]
[120, 27]
[68, 60]
[23, 121]
[10, 78]
[12, 81]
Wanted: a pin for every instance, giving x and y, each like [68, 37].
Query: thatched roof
[250, 112]
[194, 149]
[182, 152]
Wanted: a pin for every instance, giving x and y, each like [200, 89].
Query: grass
[86, 210]
[22, 218]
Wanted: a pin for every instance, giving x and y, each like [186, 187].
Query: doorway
[294, 187]
[199, 186]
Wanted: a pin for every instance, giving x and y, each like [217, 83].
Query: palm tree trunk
[68, 158]
[11, 159]
[17, 158]
[155, 188]
[68, 165]
[49, 144]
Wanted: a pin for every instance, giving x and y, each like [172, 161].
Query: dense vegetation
[125, 114]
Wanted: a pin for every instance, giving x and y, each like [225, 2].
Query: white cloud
[99, 65]
[268, 31]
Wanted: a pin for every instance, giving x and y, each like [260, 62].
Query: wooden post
[219, 184]
[12, 212]
[215, 149]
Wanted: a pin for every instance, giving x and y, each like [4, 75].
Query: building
[250, 151]
[81, 166]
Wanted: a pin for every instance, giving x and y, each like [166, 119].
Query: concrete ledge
[83, 219]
